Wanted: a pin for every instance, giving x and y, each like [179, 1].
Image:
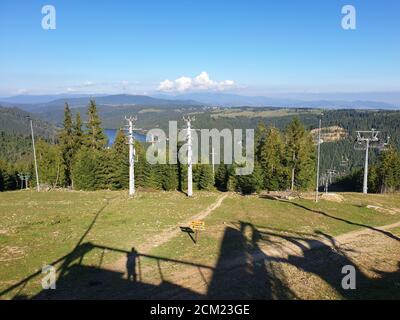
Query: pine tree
[119, 175]
[389, 170]
[270, 156]
[168, 176]
[67, 145]
[78, 133]
[103, 169]
[50, 163]
[222, 177]
[299, 155]
[84, 170]
[205, 179]
[146, 174]
[249, 184]
[96, 138]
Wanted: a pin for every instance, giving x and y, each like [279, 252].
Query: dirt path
[170, 233]
[351, 236]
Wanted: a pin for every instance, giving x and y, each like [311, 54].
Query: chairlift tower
[188, 121]
[34, 154]
[131, 142]
[27, 176]
[368, 140]
[22, 178]
[213, 161]
[327, 179]
[318, 158]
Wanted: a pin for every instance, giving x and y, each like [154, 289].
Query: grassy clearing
[300, 218]
[38, 228]
[257, 113]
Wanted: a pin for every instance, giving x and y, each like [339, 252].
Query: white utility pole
[34, 155]
[293, 171]
[213, 161]
[365, 141]
[131, 143]
[365, 181]
[188, 121]
[318, 160]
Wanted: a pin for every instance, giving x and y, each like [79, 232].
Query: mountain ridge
[189, 99]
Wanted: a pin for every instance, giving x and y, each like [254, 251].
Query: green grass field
[39, 228]
[294, 217]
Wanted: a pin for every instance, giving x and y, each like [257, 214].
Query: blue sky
[261, 47]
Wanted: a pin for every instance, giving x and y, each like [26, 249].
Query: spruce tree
[168, 176]
[248, 184]
[222, 177]
[103, 169]
[84, 170]
[50, 163]
[389, 170]
[66, 139]
[119, 173]
[78, 132]
[205, 179]
[96, 139]
[270, 156]
[299, 155]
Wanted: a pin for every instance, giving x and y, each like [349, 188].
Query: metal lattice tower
[368, 140]
[131, 142]
[188, 121]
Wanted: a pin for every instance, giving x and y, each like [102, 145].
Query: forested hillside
[336, 153]
[14, 121]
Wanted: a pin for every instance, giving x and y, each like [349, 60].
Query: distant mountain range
[234, 100]
[47, 103]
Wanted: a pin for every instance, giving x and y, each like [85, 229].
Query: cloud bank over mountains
[202, 82]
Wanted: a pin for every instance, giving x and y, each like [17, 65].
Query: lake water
[112, 133]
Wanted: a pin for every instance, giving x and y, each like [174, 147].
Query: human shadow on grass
[386, 233]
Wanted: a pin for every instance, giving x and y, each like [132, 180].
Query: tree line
[285, 159]
[383, 176]
[81, 160]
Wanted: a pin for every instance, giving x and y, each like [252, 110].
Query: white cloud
[183, 84]
[88, 83]
[166, 85]
[198, 83]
